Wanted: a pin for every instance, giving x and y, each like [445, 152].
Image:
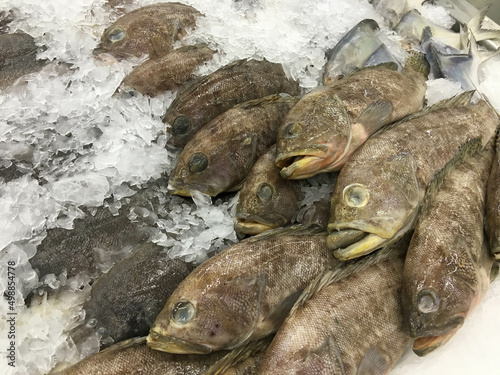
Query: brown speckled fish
[348, 322]
[152, 30]
[448, 265]
[380, 190]
[234, 83]
[492, 223]
[221, 154]
[168, 72]
[241, 294]
[132, 357]
[266, 199]
[328, 124]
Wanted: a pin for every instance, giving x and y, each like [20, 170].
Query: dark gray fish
[219, 157]
[151, 30]
[352, 51]
[17, 57]
[235, 83]
[125, 301]
[266, 199]
[132, 357]
[448, 265]
[241, 294]
[492, 223]
[382, 56]
[168, 72]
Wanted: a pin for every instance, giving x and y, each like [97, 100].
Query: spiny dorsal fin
[469, 148]
[347, 268]
[292, 230]
[238, 355]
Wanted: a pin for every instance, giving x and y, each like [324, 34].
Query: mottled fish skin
[241, 294]
[447, 267]
[324, 128]
[382, 187]
[352, 326]
[352, 51]
[168, 72]
[125, 301]
[492, 223]
[266, 200]
[80, 249]
[232, 84]
[151, 30]
[17, 58]
[221, 154]
[134, 357]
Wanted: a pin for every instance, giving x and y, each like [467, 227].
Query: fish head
[314, 136]
[208, 167]
[266, 200]
[203, 316]
[439, 290]
[380, 203]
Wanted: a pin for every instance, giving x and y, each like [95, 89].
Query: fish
[168, 72]
[266, 200]
[382, 56]
[235, 83]
[219, 157]
[18, 58]
[325, 127]
[448, 264]
[380, 190]
[125, 300]
[492, 222]
[352, 51]
[348, 321]
[133, 356]
[241, 294]
[150, 30]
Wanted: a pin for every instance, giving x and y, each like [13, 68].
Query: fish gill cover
[80, 146]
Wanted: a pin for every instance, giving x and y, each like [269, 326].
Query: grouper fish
[347, 322]
[235, 83]
[492, 223]
[380, 190]
[241, 294]
[448, 265]
[325, 127]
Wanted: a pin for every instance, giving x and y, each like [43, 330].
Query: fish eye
[183, 312]
[116, 34]
[356, 195]
[92, 323]
[427, 301]
[265, 192]
[181, 125]
[292, 130]
[198, 162]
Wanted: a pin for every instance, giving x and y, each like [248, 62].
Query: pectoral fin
[373, 363]
[375, 115]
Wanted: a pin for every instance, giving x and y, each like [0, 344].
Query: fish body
[151, 30]
[241, 294]
[17, 57]
[492, 222]
[323, 129]
[168, 72]
[125, 301]
[221, 154]
[351, 326]
[352, 51]
[266, 199]
[447, 267]
[378, 193]
[214, 94]
[133, 357]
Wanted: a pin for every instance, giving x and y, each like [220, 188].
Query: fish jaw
[186, 189]
[309, 162]
[170, 344]
[368, 244]
[249, 224]
[426, 344]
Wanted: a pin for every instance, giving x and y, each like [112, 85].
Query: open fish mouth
[426, 344]
[305, 164]
[175, 345]
[252, 227]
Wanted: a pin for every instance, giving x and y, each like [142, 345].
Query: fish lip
[170, 344]
[369, 229]
[366, 245]
[185, 190]
[423, 345]
[254, 224]
[298, 169]
[418, 329]
[252, 227]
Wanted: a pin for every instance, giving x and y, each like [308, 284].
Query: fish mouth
[185, 190]
[175, 345]
[252, 224]
[426, 344]
[306, 163]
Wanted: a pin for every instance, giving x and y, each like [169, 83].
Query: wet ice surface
[82, 147]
